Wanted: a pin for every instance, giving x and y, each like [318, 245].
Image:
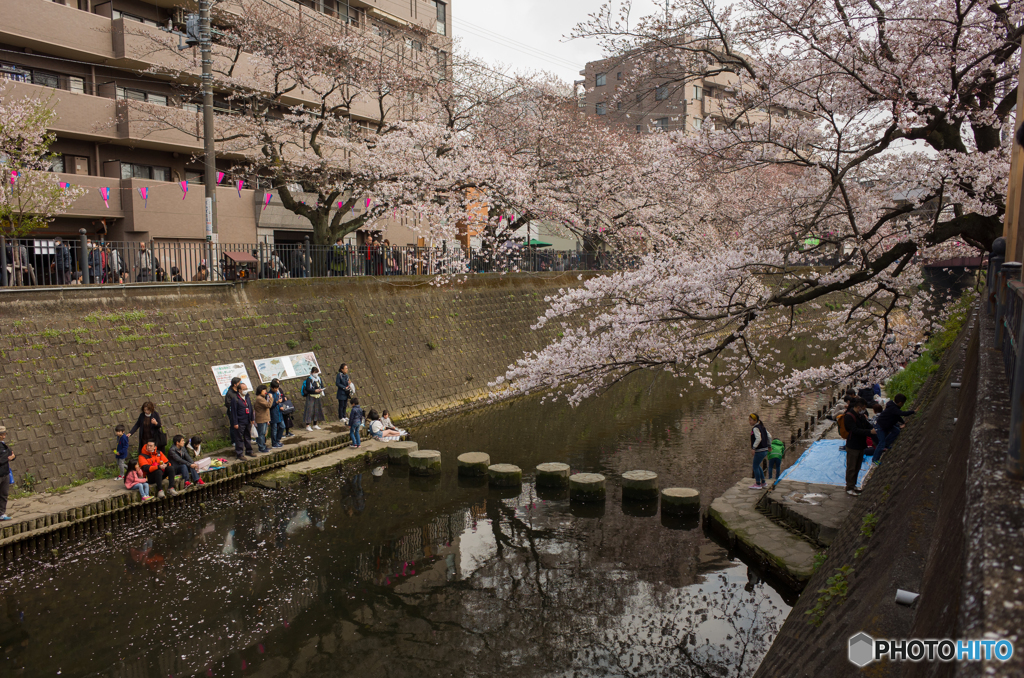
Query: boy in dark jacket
[121, 455]
[242, 417]
[355, 419]
[859, 429]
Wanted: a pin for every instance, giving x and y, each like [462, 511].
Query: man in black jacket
[889, 423]
[61, 262]
[242, 417]
[859, 429]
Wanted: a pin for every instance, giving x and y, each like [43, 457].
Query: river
[356, 575]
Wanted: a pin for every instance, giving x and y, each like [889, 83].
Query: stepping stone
[680, 501]
[640, 485]
[425, 463]
[552, 474]
[399, 451]
[587, 487]
[505, 475]
[474, 464]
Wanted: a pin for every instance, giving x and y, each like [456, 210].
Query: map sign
[285, 366]
[225, 373]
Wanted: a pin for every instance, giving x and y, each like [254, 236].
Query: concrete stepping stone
[505, 475]
[680, 501]
[640, 485]
[474, 464]
[425, 463]
[587, 487]
[399, 451]
[553, 474]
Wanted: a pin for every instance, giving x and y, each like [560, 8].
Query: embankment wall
[78, 361]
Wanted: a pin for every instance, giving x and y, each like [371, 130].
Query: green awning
[538, 243]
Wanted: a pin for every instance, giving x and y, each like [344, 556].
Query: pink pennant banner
[105, 193]
[220, 177]
[184, 188]
[238, 186]
[368, 201]
[266, 199]
[144, 192]
[340, 203]
[65, 185]
[14, 176]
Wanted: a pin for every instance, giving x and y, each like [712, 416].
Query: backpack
[842, 427]
[305, 389]
[778, 450]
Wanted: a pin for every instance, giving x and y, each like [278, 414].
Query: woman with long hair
[149, 426]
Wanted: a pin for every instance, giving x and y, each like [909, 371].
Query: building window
[697, 124]
[134, 171]
[600, 79]
[638, 129]
[618, 105]
[639, 96]
[193, 176]
[117, 14]
[661, 93]
[57, 163]
[618, 76]
[698, 92]
[45, 79]
[442, 17]
[600, 108]
[139, 95]
[661, 123]
[187, 106]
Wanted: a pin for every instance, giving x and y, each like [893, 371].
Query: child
[377, 428]
[121, 455]
[195, 448]
[775, 455]
[355, 420]
[385, 419]
[182, 462]
[135, 479]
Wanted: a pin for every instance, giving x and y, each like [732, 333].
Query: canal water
[357, 575]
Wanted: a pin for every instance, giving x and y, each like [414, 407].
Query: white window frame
[600, 79]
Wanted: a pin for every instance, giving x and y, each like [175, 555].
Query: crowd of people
[864, 435]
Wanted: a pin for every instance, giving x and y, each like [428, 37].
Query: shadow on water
[355, 575]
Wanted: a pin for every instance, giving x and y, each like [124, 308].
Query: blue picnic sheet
[824, 463]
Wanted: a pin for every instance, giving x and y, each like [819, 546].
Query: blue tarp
[824, 463]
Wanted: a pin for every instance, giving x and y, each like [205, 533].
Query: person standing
[61, 261]
[261, 403]
[6, 457]
[242, 418]
[229, 400]
[337, 258]
[94, 259]
[858, 429]
[343, 382]
[145, 264]
[276, 418]
[355, 420]
[313, 390]
[298, 262]
[760, 444]
[149, 427]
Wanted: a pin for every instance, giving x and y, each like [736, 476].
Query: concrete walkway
[735, 517]
[815, 510]
[291, 473]
[44, 509]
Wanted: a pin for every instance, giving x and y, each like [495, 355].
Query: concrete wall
[78, 361]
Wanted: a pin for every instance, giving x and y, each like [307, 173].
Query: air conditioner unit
[179, 16]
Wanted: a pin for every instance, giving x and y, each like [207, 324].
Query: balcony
[91, 204]
[173, 215]
[79, 116]
[159, 127]
[55, 29]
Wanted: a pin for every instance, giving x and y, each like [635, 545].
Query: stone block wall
[78, 361]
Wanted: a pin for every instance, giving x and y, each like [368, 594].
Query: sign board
[209, 218]
[285, 366]
[225, 373]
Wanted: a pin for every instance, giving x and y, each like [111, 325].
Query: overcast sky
[528, 35]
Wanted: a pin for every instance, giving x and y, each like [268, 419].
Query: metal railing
[39, 261]
[1004, 301]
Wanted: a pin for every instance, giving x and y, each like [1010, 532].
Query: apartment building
[611, 93]
[90, 58]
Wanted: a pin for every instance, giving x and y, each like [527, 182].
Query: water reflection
[382, 576]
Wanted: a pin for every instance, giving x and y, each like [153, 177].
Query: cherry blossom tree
[30, 195]
[863, 137]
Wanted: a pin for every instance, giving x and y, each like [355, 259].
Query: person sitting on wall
[377, 428]
[182, 462]
[158, 469]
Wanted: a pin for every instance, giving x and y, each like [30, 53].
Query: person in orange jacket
[157, 468]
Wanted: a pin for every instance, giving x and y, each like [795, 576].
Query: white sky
[528, 35]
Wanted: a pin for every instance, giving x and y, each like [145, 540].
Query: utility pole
[210, 178]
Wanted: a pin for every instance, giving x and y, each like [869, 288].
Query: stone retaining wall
[78, 361]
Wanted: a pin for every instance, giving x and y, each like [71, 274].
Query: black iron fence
[39, 261]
